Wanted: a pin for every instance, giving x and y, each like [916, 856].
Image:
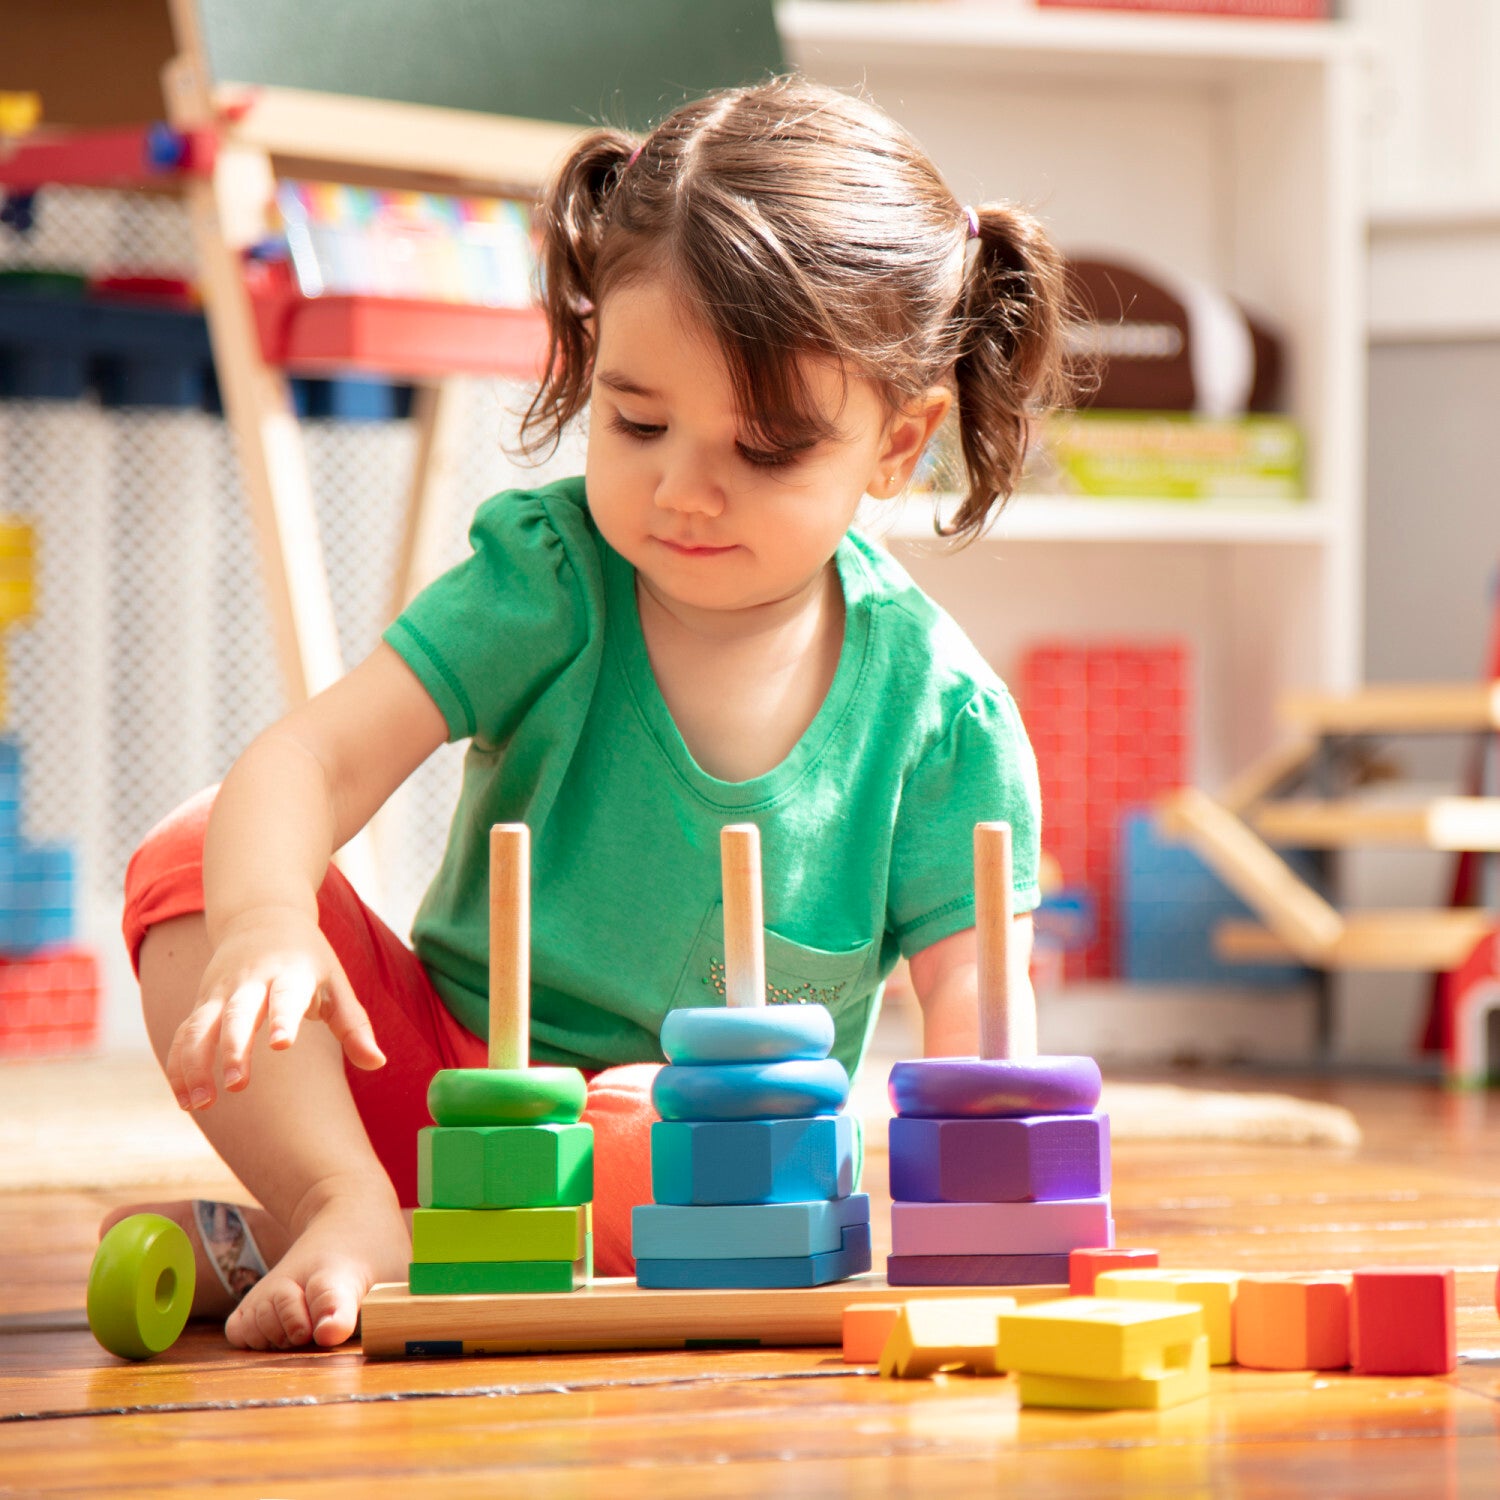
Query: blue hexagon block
[752, 1161]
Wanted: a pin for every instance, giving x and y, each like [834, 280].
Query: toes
[333, 1303]
[273, 1316]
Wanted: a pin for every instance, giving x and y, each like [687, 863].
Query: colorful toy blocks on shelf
[1101, 1353]
[1212, 1291]
[1402, 1322]
[934, 1334]
[752, 1169]
[506, 1176]
[1085, 1265]
[1000, 1164]
[49, 1003]
[1292, 1322]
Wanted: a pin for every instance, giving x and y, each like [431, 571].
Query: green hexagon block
[502, 1276]
[505, 1166]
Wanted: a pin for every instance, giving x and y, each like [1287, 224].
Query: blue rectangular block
[752, 1161]
[744, 1231]
[1037, 1158]
[851, 1258]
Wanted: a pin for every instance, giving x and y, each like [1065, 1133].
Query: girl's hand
[273, 966]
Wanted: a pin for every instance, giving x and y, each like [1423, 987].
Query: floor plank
[1423, 1188]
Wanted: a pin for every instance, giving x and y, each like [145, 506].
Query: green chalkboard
[582, 62]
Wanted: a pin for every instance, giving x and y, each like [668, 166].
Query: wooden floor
[1424, 1189]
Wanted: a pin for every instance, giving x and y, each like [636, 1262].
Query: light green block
[440, 1235]
[500, 1276]
[505, 1166]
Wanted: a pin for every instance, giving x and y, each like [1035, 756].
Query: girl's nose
[689, 486]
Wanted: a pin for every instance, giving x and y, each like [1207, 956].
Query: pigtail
[571, 223]
[1011, 360]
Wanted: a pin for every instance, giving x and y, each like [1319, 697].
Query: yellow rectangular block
[449, 1235]
[1098, 1338]
[944, 1334]
[1171, 1387]
[1213, 1291]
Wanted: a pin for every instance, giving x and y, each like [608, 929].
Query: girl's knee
[173, 955]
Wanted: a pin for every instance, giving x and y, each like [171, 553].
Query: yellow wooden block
[1171, 1387]
[1098, 1338]
[1213, 1291]
[945, 1334]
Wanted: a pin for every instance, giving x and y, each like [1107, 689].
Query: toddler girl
[766, 306]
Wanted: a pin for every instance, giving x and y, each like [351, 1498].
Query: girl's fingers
[243, 1013]
[345, 1017]
[293, 995]
[190, 1063]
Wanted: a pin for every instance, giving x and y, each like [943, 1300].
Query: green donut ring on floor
[141, 1286]
[507, 1096]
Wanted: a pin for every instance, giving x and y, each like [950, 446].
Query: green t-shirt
[532, 649]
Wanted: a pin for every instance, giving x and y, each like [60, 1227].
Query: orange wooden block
[1292, 1323]
[1401, 1321]
[1084, 1266]
[867, 1325]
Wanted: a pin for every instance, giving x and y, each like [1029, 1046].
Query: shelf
[1140, 46]
[1049, 518]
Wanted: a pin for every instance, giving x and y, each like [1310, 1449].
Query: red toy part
[49, 1003]
[128, 156]
[1086, 1266]
[1402, 1321]
[395, 336]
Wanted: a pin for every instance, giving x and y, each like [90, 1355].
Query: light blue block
[851, 1258]
[750, 1091]
[747, 1033]
[1168, 906]
[752, 1161]
[743, 1231]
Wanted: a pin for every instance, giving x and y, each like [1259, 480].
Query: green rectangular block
[504, 1166]
[500, 1276]
[440, 1235]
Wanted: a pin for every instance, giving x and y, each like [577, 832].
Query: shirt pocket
[796, 974]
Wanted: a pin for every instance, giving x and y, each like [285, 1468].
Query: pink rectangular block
[976, 1270]
[1000, 1228]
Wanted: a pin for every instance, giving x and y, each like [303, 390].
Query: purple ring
[945, 1088]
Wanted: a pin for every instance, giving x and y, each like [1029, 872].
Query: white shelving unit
[1228, 150]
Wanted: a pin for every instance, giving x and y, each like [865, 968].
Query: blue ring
[751, 1090]
[747, 1033]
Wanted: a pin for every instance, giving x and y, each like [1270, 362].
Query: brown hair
[802, 221]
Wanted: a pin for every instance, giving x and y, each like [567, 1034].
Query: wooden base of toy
[614, 1313]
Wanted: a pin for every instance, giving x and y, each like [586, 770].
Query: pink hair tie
[631, 162]
[973, 219]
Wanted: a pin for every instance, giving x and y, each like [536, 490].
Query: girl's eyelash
[757, 458]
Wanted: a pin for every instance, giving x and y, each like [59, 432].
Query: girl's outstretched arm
[946, 979]
[300, 791]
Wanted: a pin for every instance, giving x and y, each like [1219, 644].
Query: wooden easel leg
[436, 410]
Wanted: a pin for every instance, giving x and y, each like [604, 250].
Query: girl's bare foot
[349, 1241]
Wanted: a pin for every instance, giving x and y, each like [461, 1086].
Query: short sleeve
[493, 635]
[982, 770]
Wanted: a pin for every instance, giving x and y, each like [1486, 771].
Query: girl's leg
[333, 1224]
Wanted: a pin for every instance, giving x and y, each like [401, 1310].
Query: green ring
[141, 1286]
[506, 1096]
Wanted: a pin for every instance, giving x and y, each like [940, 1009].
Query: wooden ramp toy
[505, 1177]
[999, 1163]
[751, 1167]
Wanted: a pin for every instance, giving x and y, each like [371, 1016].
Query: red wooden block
[1292, 1323]
[1084, 1266]
[49, 1002]
[1402, 1321]
[867, 1325]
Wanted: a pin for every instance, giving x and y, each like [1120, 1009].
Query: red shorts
[416, 1031]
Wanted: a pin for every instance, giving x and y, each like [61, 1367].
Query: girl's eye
[640, 431]
[781, 458]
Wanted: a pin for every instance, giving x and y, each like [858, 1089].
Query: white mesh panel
[150, 663]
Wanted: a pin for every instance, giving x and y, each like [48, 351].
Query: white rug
[111, 1122]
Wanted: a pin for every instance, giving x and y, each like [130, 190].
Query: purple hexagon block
[1041, 1158]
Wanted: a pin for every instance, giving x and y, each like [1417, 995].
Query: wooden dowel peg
[510, 945]
[1007, 1016]
[744, 932]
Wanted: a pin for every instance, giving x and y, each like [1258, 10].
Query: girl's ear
[906, 436]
